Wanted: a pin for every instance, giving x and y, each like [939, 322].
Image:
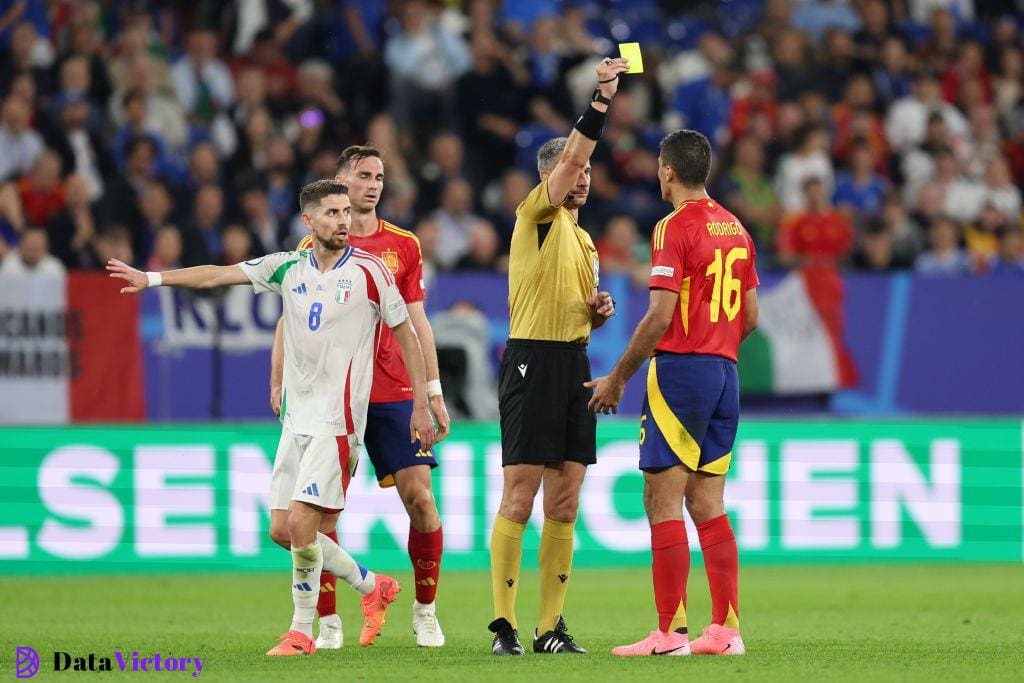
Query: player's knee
[279, 534]
[301, 530]
[420, 504]
[661, 509]
[702, 509]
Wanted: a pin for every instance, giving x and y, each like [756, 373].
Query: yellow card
[631, 51]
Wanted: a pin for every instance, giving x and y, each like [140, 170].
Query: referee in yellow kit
[547, 433]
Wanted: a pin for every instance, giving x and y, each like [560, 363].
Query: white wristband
[154, 279]
[433, 388]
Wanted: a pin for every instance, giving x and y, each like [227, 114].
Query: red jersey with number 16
[400, 251]
[703, 252]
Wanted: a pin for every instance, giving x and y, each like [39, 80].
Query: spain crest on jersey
[390, 259]
[344, 291]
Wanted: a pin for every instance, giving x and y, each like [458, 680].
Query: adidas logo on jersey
[301, 289]
[311, 490]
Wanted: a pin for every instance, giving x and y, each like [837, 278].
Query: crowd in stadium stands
[867, 134]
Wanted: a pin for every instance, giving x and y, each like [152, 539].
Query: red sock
[722, 564]
[326, 603]
[425, 552]
[670, 569]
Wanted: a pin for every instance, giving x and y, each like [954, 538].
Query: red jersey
[703, 252]
[400, 251]
[823, 238]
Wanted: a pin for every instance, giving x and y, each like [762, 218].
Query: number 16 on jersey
[727, 292]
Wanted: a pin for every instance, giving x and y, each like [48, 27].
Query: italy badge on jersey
[343, 292]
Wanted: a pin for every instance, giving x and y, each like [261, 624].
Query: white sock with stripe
[307, 563]
[344, 566]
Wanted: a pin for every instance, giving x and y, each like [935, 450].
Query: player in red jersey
[703, 304]
[396, 462]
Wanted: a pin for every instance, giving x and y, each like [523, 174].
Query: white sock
[330, 620]
[307, 562]
[344, 566]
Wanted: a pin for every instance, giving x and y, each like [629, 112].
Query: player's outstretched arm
[422, 423]
[199, 277]
[425, 334]
[277, 367]
[583, 138]
[608, 390]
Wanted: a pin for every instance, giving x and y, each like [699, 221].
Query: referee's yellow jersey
[553, 270]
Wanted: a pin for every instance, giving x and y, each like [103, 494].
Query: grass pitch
[815, 623]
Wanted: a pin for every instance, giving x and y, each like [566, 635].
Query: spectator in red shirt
[267, 55]
[820, 235]
[760, 101]
[970, 66]
[42, 190]
[854, 118]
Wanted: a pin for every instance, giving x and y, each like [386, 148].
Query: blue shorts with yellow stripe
[691, 412]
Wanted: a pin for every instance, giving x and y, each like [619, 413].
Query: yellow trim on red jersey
[658, 233]
[399, 231]
[684, 305]
[394, 229]
[659, 229]
[402, 233]
[305, 243]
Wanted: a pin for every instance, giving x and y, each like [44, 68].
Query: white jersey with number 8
[330, 331]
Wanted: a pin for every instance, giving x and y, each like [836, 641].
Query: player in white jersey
[334, 296]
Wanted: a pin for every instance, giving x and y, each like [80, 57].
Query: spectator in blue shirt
[817, 16]
[891, 77]
[945, 255]
[518, 17]
[14, 12]
[1010, 259]
[706, 103]
[860, 189]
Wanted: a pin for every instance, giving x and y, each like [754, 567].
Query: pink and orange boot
[718, 640]
[375, 606]
[293, 643]
[657, 643]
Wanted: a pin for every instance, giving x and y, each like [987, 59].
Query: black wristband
[591, 124]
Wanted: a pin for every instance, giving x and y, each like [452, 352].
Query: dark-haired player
[703, 304]
[396, 462]
[334, 298]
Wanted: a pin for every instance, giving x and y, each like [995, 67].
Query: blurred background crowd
[858, 133]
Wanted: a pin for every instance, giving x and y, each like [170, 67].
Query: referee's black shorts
[543, 404]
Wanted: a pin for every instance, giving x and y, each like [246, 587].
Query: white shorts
[313, 469]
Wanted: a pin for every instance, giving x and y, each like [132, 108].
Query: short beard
[331, 244]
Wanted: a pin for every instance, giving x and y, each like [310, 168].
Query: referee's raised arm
[585, 134]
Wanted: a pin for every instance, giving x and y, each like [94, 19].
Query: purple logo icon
[26, 662]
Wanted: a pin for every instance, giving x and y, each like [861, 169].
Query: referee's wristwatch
[598, 97]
